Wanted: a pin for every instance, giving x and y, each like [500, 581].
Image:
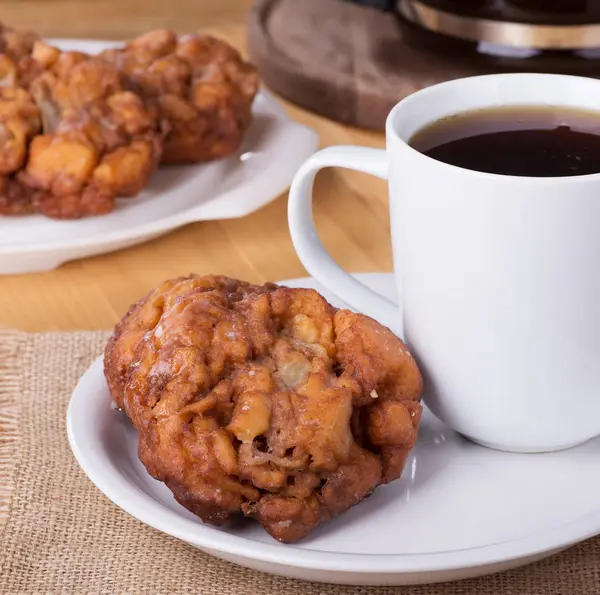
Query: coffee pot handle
[311, 251]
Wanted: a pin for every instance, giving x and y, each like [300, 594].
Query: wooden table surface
[350, 208]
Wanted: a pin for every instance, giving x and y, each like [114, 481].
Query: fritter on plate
[263, 400]
[201, 85]
[104, 123]
[99, 140]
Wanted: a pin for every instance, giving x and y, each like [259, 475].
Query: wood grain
[345, 61]
[350, 208]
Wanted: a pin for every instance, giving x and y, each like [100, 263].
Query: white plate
[460, 510]
[261, 170]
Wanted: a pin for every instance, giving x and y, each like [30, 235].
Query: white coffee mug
[498, 276]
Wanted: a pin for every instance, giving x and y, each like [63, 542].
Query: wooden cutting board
[344, 61]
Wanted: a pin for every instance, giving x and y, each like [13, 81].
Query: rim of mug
[391, 129]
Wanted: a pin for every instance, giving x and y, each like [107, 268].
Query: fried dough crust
[263, 400]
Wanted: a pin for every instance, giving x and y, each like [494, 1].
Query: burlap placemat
[59, 534]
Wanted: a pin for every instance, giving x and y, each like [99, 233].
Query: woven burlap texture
[59, 534]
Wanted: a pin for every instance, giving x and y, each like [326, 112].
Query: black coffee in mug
[516, 141]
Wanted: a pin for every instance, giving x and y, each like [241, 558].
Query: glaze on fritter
[264, 401]
[145, 314]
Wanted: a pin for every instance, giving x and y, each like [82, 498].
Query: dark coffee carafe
[511, 35]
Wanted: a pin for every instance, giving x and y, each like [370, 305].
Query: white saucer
[262, 169]
[460, 510]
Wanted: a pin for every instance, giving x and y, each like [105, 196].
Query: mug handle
[311, 251]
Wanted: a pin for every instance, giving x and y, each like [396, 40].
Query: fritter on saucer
[201, 85]
[265, 401]
[99, 140]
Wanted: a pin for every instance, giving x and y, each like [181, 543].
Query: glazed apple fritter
[263, 400]
[72, 138]
[78, 131]
[201, 85]
[99, 141]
